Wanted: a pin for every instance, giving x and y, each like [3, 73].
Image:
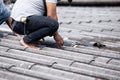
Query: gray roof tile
[26, 58]
[15, 62]
[97, 71]
[3, 48]
[14, 76]
[67, 55]
[36, 74]
[114, 62]
[60, 73]
[10, 41]
[82, 71]
[40, 56]
[109, 66]
[94, 52]
[3, 79]
[6, 66]
[12, 46]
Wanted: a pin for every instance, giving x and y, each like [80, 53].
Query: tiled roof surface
[78, 59]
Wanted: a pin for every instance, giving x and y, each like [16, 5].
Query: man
[35, 26]
[4, 13]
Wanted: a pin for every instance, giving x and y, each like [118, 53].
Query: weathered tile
[12, 37]
[61, 73]
[6, 66]
[3, 48]
[117, 34]
[39, 75]
[108, 66]
[40, 56]
[104, 63]
[93, 73]
[15, 62]
[27, 58]
[102, 59]
[99, 35]
[115, 62]
[96, 69]
[10, 41]
[115, 55]
[13, 46]
[65, 54]
[14, 76]
[3, 79]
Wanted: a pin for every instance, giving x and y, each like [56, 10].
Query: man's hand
[58, 39]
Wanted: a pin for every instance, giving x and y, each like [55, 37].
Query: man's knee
[53, 28]
[56, 26]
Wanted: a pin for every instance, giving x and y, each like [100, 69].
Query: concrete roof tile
[67, 55]
[15, 62]
[85, 71]
[36, 74]
[12, 46]
[109, 66]
[3, 79]
[3, 48]
[94, 52]
[114, 62]
[6, 66]
[40, 56]
[14, 76]
[27, 58]
[98, 70]
[10, 41]
[60, 73]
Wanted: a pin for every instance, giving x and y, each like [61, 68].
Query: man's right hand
[58, 39]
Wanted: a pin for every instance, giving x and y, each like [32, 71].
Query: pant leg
[18, 28]
[39, 27]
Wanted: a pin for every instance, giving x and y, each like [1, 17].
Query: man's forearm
[53, 16]
[56, 33]
[51, 10]
[9, 20]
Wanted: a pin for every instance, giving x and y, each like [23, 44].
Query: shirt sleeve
[52, 1]
[1, 1]
[4, 13]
